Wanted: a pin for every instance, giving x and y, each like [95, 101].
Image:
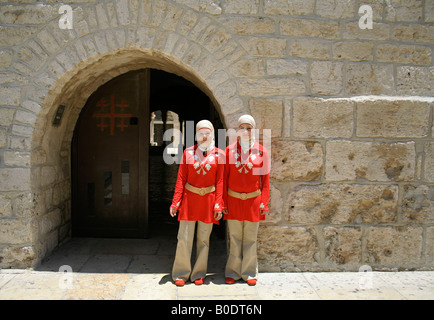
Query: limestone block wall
[356, 194]
[350, 111]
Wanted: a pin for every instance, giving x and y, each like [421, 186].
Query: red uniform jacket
[200, 171]
[244, 173]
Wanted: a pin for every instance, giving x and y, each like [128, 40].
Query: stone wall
[356, 194]
[350, 110]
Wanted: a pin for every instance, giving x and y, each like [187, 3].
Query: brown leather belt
[244, 196]
[199, 191]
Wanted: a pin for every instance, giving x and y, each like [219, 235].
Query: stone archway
[50, 156]
[63, 67]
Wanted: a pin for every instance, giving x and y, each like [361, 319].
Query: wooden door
[110, 160]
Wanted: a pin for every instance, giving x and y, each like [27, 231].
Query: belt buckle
[243, 196]
[202, 192]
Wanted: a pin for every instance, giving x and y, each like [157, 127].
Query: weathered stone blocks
[353, 50]
[270, 86]
[285, 7]
[394, 246]
[6, 116]
[6, 57]
[14, 179]
[316, 118]
[341, 204]
[365, 79]
[268, 115]
[241, 7]
[244, 26]
[311, 48]
[398, 10]
[337, 9]
[310, 28]
[264, 47]
[287, 247]
[405, 54]
[15, 231]
[392, 119]
[343, 246]
[296, 160]
[17, 256]
[415, 80]
[284, 67]
[15, 35]
[414, 33]
[429, 162]
[372, 161]
[28, 14]
[429, 256]
[10, 95]
[5, 206]
[275, 206]
[326, 77]
[418, 204]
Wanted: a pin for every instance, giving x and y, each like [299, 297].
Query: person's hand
[261, 209]
[173, 211]
[217, 215]
[225, 211]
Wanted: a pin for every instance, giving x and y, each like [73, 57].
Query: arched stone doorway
[50, 169]
[121, 185]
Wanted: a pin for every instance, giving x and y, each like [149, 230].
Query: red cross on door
[111, 115]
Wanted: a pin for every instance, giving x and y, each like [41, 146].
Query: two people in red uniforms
[211, 182]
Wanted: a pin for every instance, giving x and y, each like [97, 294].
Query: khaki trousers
[182, 266]
[243, 260]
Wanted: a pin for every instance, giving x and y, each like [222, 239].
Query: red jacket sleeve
[225, 180]
[219, 183]
[265, 180]
[180, 183]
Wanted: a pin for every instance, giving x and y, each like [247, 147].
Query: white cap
[247, 119]
[204, 124]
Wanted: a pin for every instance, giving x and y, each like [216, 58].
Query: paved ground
[140, 269]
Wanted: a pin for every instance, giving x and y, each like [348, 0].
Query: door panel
[110, 156]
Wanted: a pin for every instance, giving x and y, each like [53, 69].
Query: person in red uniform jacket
[246, 194]
[198, 198]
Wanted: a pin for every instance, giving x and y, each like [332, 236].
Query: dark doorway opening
[174, 102]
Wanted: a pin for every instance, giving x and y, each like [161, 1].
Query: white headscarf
[205, 124]
[247, 119]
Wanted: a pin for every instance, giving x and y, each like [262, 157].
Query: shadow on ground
[152, 255]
